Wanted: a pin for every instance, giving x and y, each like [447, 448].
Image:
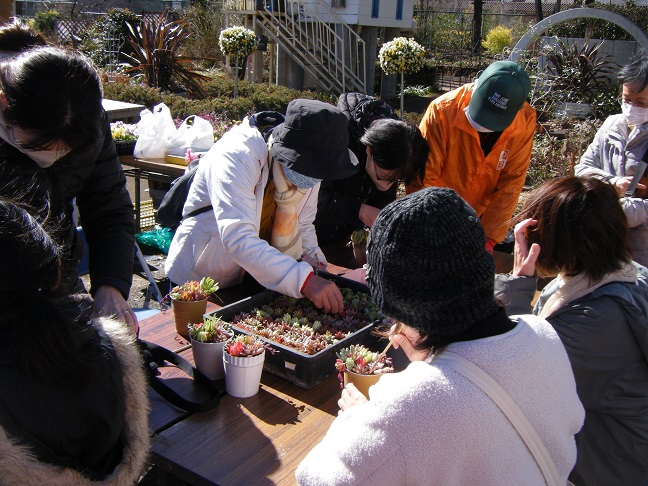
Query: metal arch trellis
[576, 13]
[114, 41]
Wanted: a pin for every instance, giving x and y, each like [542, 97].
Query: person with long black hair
[73, 401]
[56, 149]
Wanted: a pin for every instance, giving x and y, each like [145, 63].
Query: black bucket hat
[314, 140]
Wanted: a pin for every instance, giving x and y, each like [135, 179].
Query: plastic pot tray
[302, 369]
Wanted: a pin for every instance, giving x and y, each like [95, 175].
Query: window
[338, 3]
[399, 10]
[375, 9]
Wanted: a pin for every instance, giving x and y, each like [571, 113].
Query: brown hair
[581, 227]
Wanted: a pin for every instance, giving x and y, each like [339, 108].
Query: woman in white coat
[429, 269]
[225, 243]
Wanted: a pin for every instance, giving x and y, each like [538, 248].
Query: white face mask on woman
[44, 158]
[635, 115]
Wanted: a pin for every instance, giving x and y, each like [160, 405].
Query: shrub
[156, 44]
[497, 39]
[132, 93]
[205, 19]
[602, 29]
[552, 156]
[108, 34]
[548, 160]
[45, 22]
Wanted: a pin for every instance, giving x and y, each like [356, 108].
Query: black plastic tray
[302, 369]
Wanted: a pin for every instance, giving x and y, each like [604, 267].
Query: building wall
[358, 12]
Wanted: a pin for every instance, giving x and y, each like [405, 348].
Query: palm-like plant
[156, 44]
[578, 73]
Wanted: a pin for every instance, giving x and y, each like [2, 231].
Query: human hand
[109, 302]
[351, 397]
[314, 261]
[621, 185]
[368, 214]
[324, 294]
[641, 191]
[402, 336]
[524, 258]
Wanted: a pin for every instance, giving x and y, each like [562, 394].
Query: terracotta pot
[361, 382]
[243, 375]
[360, 254]
[209, 358]
[187, 312]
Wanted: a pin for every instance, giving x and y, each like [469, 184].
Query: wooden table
[152, 169]
[256, 440]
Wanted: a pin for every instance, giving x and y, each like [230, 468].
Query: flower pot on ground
[362, 367]
[207, 341]
[243, 358]
[189, 303]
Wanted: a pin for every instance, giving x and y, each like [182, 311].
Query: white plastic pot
[243, 375]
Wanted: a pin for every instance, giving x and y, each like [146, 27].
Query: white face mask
[635, 115]
[44, 158]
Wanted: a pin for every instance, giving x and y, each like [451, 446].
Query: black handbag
[155, 356]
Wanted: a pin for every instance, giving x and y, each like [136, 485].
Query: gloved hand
[286, 236]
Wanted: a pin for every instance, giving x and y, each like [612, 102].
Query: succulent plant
[298, 324]
[359, 359]
[244, 345]
[193, 290]
[213, 330]
[359, 237]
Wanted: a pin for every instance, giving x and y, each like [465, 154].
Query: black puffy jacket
[96, 179]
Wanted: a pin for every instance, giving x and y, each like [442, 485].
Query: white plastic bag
[156, 129]
[195, 133]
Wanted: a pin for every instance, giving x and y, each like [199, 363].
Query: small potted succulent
[243, 357]
[207, 341]
[189, 302]
[362, 367]
[359, 244]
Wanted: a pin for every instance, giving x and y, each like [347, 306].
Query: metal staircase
[314, 36]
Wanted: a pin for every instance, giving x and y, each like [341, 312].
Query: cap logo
[498, 100]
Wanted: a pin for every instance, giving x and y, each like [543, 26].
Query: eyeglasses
[637, 104]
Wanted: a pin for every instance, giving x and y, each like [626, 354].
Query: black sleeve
[106, 212]
[337, 207]
[380, 199]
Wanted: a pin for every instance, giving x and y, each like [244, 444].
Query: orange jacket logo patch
[501, 163]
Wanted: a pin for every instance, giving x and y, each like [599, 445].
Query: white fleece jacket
[430, 425]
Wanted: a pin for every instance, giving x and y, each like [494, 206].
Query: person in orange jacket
[480, 137]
